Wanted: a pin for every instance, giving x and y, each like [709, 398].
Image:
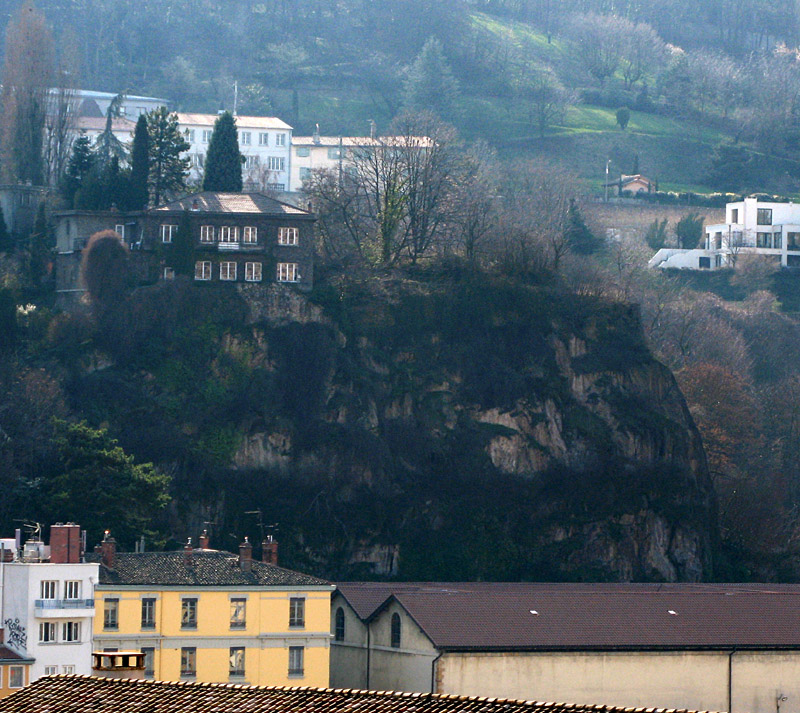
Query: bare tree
[642, 51]
[597, 42]
[27, 78]
[538, 86]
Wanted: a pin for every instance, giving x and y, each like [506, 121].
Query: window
[168, 232]
[295, 660]
[252, 272]
[206, 135]
[335, 153]
[120, 230]
[189, 613]
[305, 174]
[198, 160]
[280, 139]
[238, 610]
[263, 139]
[202, 270]
[48, 589]
[47, 632]
[148, 613]
[168, 273]
[110, 613]
[250, 162]
[395, 634]
[71, 631]
[303, 151]
[189, 135]
[277, 163]
[188, 660]
[72, 589]
[250, 234]
[206, 233]
[718, 240]
[236, 661]
[763, 240]
[734, 215]
[229, 234]
[297, 612]
[338, 630]
[287, 272]
[149, 660]
[51, 670]
[16, 676]
[287, 236]
[704, 263]
[227, 271]
[764, 216]
[68, 670]
[245, 136]
[777, 240]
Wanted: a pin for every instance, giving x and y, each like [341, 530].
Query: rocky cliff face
[470, 430]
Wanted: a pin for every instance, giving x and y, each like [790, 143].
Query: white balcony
[63, 608]
[228, 245]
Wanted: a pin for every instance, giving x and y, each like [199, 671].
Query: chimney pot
[246, 555]
[187, 552]
[108, 550]
[204, 540]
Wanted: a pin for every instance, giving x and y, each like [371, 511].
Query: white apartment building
[47, 603]
[265, 143]
[92, 103]
[751, 227]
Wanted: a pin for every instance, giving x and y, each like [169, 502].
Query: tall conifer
[224, 160]
[140, 166]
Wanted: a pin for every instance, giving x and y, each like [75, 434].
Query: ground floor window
[202, 270]
[705, 263]
[287, 272]
[149, 660]
[16, 676]
[252, 271]
[227, 271]
[296, 660]
[188, 661]
[168, 273]
[236, 660]
[763, 240]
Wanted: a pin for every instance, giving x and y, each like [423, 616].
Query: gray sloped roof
[217, 202]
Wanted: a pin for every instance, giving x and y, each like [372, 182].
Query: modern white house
[265, 143]
[92, 103]
[751, 227]
[47, 603]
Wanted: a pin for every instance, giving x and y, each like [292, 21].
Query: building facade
[705, 647]
[206, 615]
[264, 141]
[48, 605]
[751, 227]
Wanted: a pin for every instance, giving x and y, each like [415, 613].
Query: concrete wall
[348, 657]
[693, 680]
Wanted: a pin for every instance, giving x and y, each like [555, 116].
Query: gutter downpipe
[730, 679]
[369, 652]
[433, 671]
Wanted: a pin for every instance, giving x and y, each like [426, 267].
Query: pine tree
[5, 239]
[79, 166]
[430, 83]
[180, 255]
[580, 239]
[140, 166]
[224, 160]
[168, 170]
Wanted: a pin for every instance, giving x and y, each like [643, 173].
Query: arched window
[396, 630]
[339, 625]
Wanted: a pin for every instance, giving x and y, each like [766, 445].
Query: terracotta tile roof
[86, 694]
[214, 202]
[208, 568]
[494, 616]
[242, 122]
[8, 655]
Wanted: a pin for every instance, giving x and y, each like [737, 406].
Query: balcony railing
[64, 604]
[231, 245]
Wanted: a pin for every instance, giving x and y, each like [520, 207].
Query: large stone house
[238, 238]
[698, 646]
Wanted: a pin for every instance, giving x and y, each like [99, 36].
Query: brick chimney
[246, 555]
[65, 543]
[108, 550]
[269, 550]
[204, 540]
[187, 553]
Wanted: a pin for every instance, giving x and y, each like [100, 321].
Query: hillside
[411, 426]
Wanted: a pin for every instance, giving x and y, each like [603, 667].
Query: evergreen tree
[108, 146]
[168, 170]
[140, 166]
[8, 320]
[623, 117]
[580, 239]
[79, 166]
[689, 230]
[224, 160]
[430, 83]
[5, 238]
[656, 235]
[180, 255]
[39, 266]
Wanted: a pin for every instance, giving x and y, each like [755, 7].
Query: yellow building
[207, 615]
[14, 669]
